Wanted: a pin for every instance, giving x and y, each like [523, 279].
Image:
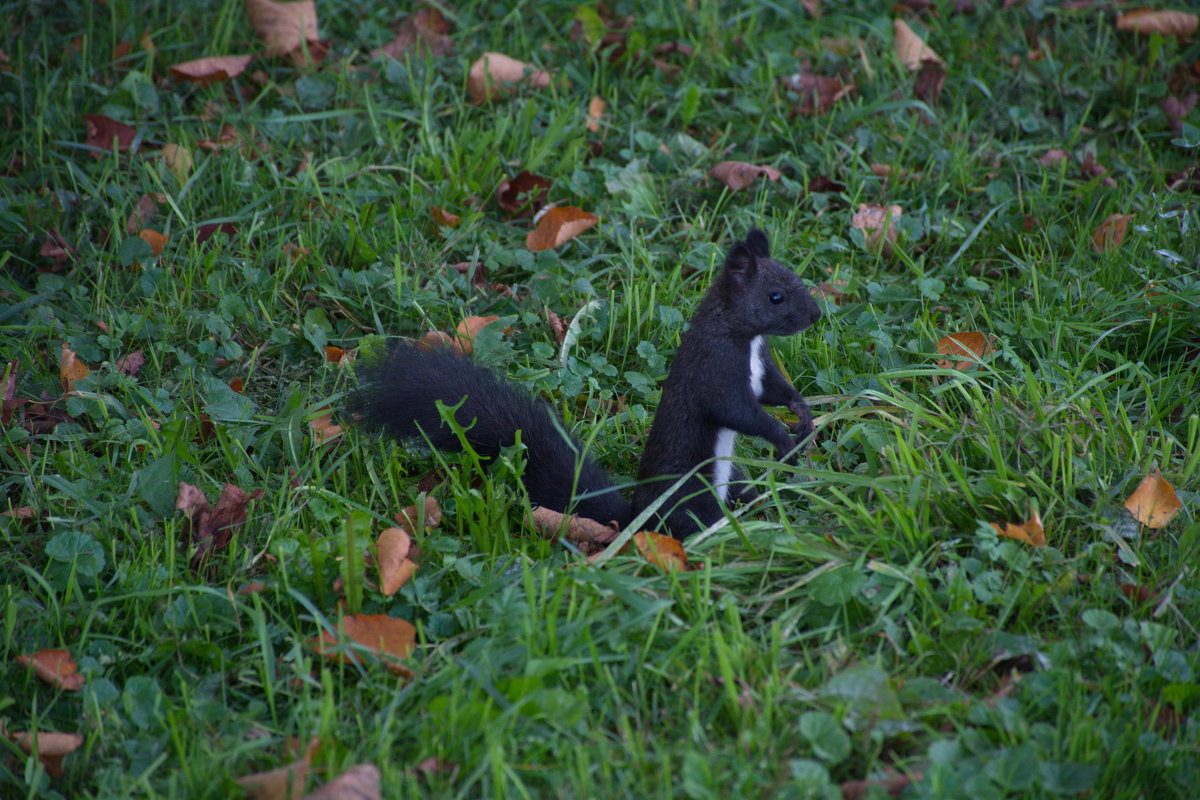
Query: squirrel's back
[399, 395]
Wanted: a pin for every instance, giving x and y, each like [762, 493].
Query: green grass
[862, 620]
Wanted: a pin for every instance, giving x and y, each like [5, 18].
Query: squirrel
[721, 376]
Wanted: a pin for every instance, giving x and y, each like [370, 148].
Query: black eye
[776, 297]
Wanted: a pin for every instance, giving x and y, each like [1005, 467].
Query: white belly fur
[756, 366]
[722, 468]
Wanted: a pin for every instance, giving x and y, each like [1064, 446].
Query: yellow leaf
[1154, 502]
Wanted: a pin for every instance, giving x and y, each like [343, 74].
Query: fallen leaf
[524, 194]
[283, 26]
[467, 330]
[1154, 502]
[390, 638]
[494, 75]
[155, 239]
[968, 348]
[1177, 108]
[409, 518]
[395, 567]
[558, 226]
[1030, 532]
[557, 325]
[590, 535]
[323, 429]
[824, 184]
[9, 385]
[878, 225]
[595, 113]
[911, 49]
[211, 529]
[333, 354]
[57, 249]
[178, 160]
[238, 385]
[131, 363]
[70, 368]
[253, 587]
[424, 30]
[892, 786]
[1091, 169]
[1111, 232]
[281, 783]
[817, 93]
[444, 218]
[738, 175]
[205, 232]
[664, 552]
[228, 137]
[832, 290]
[1052, 157]
[51, 747]
[929, 83]
[435, 766]
[102, 131]
[1180, 24]
[143, 212]
[204, 71]
[55, 667]
[360, 782]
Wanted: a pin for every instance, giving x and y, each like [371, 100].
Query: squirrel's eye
[776, 297]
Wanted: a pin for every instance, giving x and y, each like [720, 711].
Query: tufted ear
[756, 240]
[740, 266]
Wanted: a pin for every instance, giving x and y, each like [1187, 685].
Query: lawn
[952, 595]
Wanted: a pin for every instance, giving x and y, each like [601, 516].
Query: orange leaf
[911, 49]
[1031, 532]
[283, 26]
[51, 747]
[494, 75]
[388, 637]
[323, 428]
[467, 330]
[333, 354]
[210, 70]
[972, 344]
[1111, 232]
[70, 368]
[738, 174]
[558, 226]
[155, 239]
[55, 667]
[595, 112]
[238, 385]
[878, 224]
[1154, 502]
[444, 218]
[664, 552]
[1169, 23]
[395, 567]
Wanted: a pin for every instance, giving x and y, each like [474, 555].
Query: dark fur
[707, 389]
[399, 396]
[708, 386]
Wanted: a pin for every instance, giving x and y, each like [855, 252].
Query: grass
[863, 621]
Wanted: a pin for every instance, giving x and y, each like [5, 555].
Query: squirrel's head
[760, 294]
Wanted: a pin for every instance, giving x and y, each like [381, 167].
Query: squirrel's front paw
[804, 426]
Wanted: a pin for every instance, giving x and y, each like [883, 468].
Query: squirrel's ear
[740, 266]
[757, 241]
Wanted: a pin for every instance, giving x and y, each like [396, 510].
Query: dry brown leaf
[204, 71]
[1111, 232]
[70, 368]
[323, 428]
[281, 783]
[57, 249]
[1181, 24]
[253, 587]
[595, 113]
[524, 194]
[495, 75]
[878, 225]
[283, 26]
[102, 131]
[467, 330]
[929, 83]
[333, 354]
[360, 782]
[51, 747]
[208, 229]
[1154, 502]
[55, 667]
[408, 516]
[590, 535]
[1030, 532]
[155, 239]
[738, 175]
[178, 160]
[212, 528]
[395, 567]
[964, 349]
[834, 291]
[817, 93]
[228, 137]
[443, 218]
[238, 385]
[389, 638]
[558, 226]
[664, 552]
[425, 29]
[911, 49]
[143, 212]
[1052, 157]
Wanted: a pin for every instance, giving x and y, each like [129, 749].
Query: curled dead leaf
[964, 350]
[1111, 232]
[589, 535]
[70, 368]
[323, 428]
[55, 667]
[1030, 532]
[51, 747]
[878, 226]
[1145, 21]
[558, 226]
[664, 552]
[911, 49]
[395, 567]
[494, 75]
[204, 71]
[1154, 502]
[739, 174]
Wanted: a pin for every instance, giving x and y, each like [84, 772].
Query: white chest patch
[756, 366]
[722, 467]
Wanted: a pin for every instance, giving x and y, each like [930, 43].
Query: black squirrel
[721, 375]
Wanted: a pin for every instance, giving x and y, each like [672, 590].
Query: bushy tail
[399, 395]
